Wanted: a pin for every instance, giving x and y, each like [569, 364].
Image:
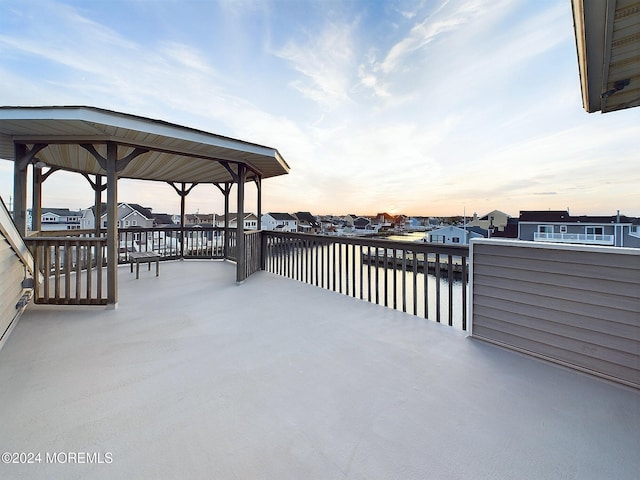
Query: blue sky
[426, 107]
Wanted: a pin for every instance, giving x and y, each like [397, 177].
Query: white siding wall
[576, 305]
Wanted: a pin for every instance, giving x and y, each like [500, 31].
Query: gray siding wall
[577, 305]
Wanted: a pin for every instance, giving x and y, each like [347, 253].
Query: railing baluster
[369, 274]
[404, 280]
[450, 279]
[425, 281]
[415, 282]
[386, 280]
[438, 280]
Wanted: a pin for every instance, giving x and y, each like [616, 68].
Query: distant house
[60, 219]
[383, 220]
[307, 223]
[452, 235]
[250, 221]
[558, 226]
[163, 220]
[130, 215]
[349, 219]
[363, 224]
[194, 219]
[494, 221]
[282, 222]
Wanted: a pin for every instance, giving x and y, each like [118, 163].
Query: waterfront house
[282, 222]
[193, 219]
[363, 224]
[307, 223]
[60, 219]
[452, 235]
[250, 221]
[559, 226]
[494, 221]
[129, 215]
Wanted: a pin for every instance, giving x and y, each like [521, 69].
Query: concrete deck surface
[196, 377]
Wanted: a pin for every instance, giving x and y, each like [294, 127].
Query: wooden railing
[428, 280]
[253, 253]
[415, 277]
[72, 269]
[168, 242]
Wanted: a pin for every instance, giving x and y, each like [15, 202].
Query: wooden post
[21, 161]
[240, 253]
[98, 204]
[112, 225]
[227, 191]
[259, 187]
[183, 199]
[36, 200]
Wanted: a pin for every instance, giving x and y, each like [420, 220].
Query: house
[59, 219]
[383, 220]
[194, 219]
[348, 219]
[129, 215]
[250, 221]
[559, 226]
[307, 223]
[363, 224]
[282, 222]
[162, 220]
[493, 221]
[452, 235]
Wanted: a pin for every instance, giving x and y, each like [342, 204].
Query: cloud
[324, 59]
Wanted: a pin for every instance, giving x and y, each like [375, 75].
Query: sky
[432, 107]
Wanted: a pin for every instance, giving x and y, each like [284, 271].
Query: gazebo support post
[112, 165]
[23, 157]
[36, 199]
[183, 191]
[226, 190]
[258, 181]
[112, 225]
[240, 251]
[98, 187]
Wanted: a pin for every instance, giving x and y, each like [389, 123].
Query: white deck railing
[574, 238]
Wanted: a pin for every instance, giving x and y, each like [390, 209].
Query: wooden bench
[144, 257]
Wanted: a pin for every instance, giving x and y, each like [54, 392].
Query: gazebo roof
[175, 153]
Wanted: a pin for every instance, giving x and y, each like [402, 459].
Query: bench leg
[157, 267]
[137, 270]
[131, 263]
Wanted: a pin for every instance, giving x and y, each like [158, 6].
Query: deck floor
[193, 376]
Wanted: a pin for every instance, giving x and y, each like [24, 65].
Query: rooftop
[193, 376]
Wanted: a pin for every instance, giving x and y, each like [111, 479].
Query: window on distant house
[594, 230]
[134, 223]
[455, 239]
[563, 229]
[126, 223]
[545, 228]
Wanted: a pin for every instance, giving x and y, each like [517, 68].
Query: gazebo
[99, 144]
